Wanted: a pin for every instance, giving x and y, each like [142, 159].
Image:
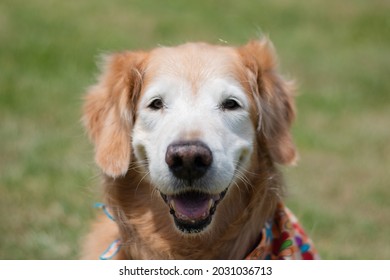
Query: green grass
[338, 51]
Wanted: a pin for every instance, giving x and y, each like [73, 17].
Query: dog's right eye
[156, 104]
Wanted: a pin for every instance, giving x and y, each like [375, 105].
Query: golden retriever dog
[189, 139]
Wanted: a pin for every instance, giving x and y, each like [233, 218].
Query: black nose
[188, 160]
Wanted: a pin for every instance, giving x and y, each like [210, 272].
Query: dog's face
[193, 129]
[192, 116]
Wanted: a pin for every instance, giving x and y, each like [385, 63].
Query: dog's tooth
[183, 217]
[172, 204]
[211, 202]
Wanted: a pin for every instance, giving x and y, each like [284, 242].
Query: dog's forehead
[194, 63]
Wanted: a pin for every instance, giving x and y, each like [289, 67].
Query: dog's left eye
[230, 104]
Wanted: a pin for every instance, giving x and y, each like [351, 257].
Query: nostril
[177, 161]
[199, 161]
[170, 158]
[203, 160]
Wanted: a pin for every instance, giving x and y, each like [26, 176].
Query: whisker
[139, 166]
[154, 194]
[140, 181]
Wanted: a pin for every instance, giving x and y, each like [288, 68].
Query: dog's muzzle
[192, 209]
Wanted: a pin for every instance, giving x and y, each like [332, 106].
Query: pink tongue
[191, 206]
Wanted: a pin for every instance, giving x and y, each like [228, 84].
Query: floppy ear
[109, 111]
[273, 96]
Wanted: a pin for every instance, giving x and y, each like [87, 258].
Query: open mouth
[192, 210]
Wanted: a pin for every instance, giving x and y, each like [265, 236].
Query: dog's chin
[193, 210]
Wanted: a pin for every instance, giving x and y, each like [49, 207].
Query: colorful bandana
[115, 246]
[283, 238]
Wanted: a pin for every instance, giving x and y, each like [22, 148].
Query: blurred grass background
[338, 51]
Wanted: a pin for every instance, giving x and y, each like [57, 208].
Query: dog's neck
[148, 232]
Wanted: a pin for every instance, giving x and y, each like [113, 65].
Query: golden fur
[143, 221]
